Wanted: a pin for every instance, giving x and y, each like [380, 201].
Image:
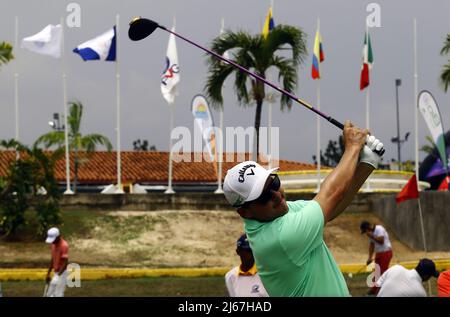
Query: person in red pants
[379, 244]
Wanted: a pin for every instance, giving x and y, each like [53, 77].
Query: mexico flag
[367, 62]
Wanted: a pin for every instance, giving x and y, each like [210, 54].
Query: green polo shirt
[291, 255]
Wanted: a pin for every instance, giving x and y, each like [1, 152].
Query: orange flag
[409, 191]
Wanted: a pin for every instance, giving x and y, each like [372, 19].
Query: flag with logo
[410, 191]
[269, 24]
[430, 112]
[318, 56]
[46, 42]
[204, 120]
[171, 74]
[367, 62]
[102, 47]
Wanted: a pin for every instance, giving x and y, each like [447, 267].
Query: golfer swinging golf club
[287, 237]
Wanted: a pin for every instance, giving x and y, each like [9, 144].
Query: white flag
[47, 42]
[171, 74]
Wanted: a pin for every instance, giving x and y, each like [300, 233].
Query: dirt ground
[184, 239]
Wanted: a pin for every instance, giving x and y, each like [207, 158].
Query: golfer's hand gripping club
[372, 151]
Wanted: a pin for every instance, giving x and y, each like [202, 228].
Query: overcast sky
[145, 113]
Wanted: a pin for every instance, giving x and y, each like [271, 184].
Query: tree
[28, 176]
[445, 74]
[5, 53]
[333, 153]
[429, 148]
[77, 142]
[257, 55]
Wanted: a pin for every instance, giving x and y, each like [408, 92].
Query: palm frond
[446, 48]
[74, 118]
[245, 58]
[89, 142]
[445, 76]
[13, 144]
[288, 75]
[5, 52]
[214, 83]
[283, 35]
[53, 138]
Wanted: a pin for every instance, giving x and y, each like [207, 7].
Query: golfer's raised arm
[334, 187]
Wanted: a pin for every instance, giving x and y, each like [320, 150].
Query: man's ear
[244, 212]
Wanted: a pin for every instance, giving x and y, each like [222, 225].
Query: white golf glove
[368, 154]
[55, 279]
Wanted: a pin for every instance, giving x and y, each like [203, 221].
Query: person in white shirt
[243, 280]
[401, 282]
[379, 244]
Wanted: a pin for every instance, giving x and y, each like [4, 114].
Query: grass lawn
[159, 286]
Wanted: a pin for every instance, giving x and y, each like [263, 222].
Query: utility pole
[397, 139]
[398, 82]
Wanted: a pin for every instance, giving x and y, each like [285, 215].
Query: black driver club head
[140, 28]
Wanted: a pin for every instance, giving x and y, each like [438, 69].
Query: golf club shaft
[293, 97]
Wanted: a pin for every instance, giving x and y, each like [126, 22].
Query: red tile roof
[145, 167]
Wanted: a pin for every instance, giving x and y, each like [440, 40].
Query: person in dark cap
[243, 280]
[401, 282]
[379, 244]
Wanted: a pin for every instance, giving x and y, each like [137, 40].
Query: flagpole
[318, 120]
[66, 126]
[270, 97]
[169, 186]
[16, 85]
[416, 130]
[169, 189]
[368, 87]
[119, 189]
[270, 132]
[219, 189]
[416, 119]
[367, 103]
[423, 235]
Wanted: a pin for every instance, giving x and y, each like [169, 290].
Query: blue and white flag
[171, 73]
[103, 47]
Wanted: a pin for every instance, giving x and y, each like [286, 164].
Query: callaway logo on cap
[245, 182]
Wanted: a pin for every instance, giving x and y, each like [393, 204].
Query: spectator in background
[443, 284]
[400, 282]
[58, 263]
[243, 280]
[379, 244]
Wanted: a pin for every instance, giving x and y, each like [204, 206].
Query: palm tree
[257, 55]
[5, 53]
[445, 74]
[429, 148]
[77, 142]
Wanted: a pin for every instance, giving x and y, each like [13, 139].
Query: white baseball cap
[52, 234]
[245, 182]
